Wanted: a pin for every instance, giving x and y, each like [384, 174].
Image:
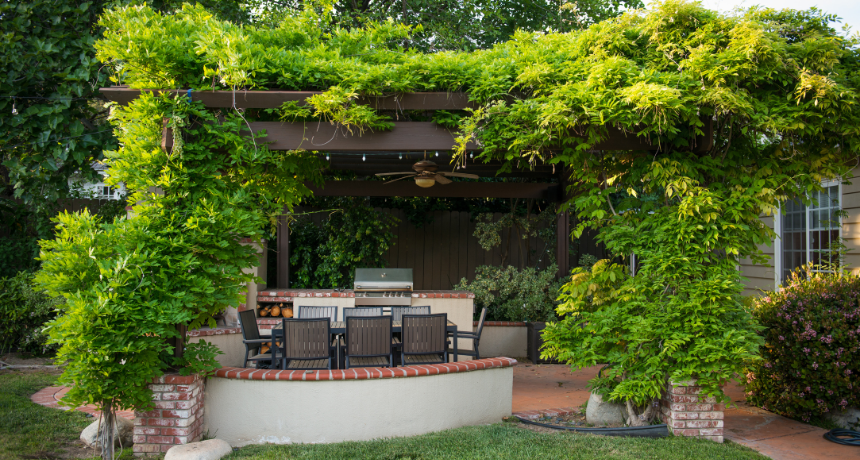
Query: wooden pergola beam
[405, 136]
[274, 99]
[407, 188]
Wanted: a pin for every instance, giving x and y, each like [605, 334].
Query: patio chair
[307, 344]
[252, 340]
[398, 312]
[309, 311]
[361, 311]
[367, 342]
[424, 339]
[474, 336]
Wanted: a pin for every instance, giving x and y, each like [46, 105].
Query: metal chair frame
[304, 340]
[252, 339]
[361, 311]
[424, 335]
[367, 337]
[474, 336]
[317, 311]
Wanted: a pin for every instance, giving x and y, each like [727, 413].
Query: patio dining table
[339, 327]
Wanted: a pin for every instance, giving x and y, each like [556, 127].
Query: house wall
[761, 278]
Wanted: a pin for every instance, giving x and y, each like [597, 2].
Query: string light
[401, 156]
[363, 158]
[471, 155]
[437, 153]
[14, 110]
[326, 157]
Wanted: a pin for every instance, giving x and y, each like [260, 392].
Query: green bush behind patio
[24, 310]
[811, 362]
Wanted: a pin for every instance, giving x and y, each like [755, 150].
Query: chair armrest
[257, 341]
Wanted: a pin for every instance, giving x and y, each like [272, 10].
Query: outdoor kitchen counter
[458, 305]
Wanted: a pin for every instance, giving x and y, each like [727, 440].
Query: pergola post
[283, 253]
[562, 230]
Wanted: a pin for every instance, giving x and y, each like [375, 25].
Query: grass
[28, 430]
[504, 441]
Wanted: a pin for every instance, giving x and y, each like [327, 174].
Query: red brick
[159, 439]
[165, 405]
[162, 388]
[146, 448]
[138, 438]
[180, 379]
[175, 396]
[684, 399]
[155, 431]
[161, 422]
[176, 431]
[686, 432]
[186, 388]
[704, 423]
[175, 413]
[711, 432]
[679, 390]
[676, 424]
[685, 415]
[165, 447]
[139, 421]
[711, 415]
[151, 413]
[182, 405]
[699, 407]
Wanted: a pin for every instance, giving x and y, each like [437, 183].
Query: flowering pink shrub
[811, 361]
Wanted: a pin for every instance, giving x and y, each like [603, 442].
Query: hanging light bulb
[326, 157]
[14, 110]
[437, 153]
[471, 155]
[401, 156]
[363, 158]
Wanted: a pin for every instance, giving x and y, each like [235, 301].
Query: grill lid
[389, 279]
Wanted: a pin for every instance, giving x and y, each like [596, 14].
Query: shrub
[515, 295]
[23, 314]
[811, 363]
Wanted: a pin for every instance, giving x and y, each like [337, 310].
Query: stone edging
[501, 324]
[364, 373]
[536, 414]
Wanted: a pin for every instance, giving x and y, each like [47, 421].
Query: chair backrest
[361, 311]
[368, 336]
[306, 338]
[398, 312]
[424, 334]
[248, 321]
[481, 324]
[309, 311]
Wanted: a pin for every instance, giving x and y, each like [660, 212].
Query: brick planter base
[176, 419]
[688, 415]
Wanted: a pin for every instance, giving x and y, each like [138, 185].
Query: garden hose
[844, 437]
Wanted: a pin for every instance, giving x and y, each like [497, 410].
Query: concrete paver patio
[549, 388]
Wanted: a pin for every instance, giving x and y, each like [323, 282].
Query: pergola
[395, 150]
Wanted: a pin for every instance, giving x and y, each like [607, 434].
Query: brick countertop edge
[364, 373]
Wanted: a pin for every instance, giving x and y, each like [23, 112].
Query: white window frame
[777, 228]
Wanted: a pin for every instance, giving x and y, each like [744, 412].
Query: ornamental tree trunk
[106, 431]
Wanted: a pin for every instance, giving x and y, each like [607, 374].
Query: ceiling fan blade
[394, 173]
[442, 179]
[456, 174]
[400, 178]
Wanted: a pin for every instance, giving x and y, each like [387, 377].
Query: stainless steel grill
[383, 286]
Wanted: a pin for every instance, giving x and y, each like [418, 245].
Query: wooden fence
[445, 250]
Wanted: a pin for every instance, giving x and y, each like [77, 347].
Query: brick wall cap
[365, 373]
[288, 295]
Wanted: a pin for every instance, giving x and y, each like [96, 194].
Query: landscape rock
[600, 412]
[122, 435]
[848, 419]
[211, 449]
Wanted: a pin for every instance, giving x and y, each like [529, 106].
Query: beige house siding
[761, 278]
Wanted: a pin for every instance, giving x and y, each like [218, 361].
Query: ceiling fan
[426, 175]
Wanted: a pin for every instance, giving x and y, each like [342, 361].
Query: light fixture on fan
[425, 174]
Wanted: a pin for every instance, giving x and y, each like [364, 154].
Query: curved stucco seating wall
[248, 406]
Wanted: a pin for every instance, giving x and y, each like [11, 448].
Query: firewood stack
[276, 311]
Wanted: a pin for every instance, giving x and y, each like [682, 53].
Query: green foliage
[519, 227]
[511, 294]
[811, 362]
[179, 260]
[681, 316]
[356, 236]
[779, 90]
[24, 311]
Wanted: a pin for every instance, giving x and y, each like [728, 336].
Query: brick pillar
[687, 414]
[176, 419]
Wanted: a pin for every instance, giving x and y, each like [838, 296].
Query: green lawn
[30, 431]
[505, 440]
